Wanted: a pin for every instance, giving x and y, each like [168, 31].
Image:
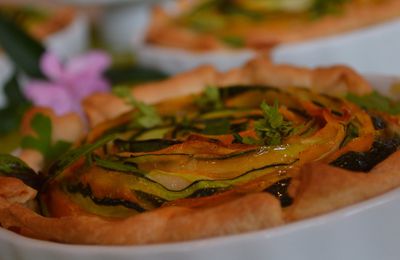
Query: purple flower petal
[50, 95]
[69, 84]
[51, 66]
[91, 64]
[86, 86]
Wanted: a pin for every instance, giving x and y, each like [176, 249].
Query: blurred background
[146, 44]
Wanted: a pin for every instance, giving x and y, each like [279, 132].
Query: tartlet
[217, 25]
[225, 153]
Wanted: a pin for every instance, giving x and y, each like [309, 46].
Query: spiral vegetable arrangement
[200, 150]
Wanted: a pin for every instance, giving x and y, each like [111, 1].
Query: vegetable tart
[205, 154]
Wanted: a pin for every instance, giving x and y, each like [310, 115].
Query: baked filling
[215, 146]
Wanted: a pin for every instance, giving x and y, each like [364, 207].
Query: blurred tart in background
[203, 25]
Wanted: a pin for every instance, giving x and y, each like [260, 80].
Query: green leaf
[325, 7]
[272, 116]
[132, 75]
[273, 127]
[12, 166]
[251, 140]
[210, 100]
[145, 116]
[59, 148]
[11, 115]
[375, 102]
[13, 93]
[234, 41]
[42, 141]
[23, 49]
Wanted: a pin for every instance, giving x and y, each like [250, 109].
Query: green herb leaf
[273, 127]
[210, 100]
[132, 75]
[324, 7]
[375, 102]
[145, 116]
[23, 49]
[42, 142]
[252, 141]
[234, 41]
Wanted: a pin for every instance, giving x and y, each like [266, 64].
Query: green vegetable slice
[12, 166]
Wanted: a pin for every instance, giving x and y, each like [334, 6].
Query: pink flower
[68, 84]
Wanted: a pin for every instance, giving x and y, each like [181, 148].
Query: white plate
[371, 50]
[67, 42]
[369, 230]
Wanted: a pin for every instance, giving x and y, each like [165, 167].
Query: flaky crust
[164, 32]
[323, 188]
[319, 188]
[251, 212]
[15, 191]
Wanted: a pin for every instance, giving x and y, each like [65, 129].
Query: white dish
[67, 42]
[173, 61]
[368, 231]
[371, 50]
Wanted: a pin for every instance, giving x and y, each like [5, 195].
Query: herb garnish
[42, 141]
[210, 100]
[324, 7]
[145, 116]
[375, 102]
[234, 41]
[271, 129]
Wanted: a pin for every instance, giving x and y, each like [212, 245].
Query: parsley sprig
[271, 129]
[42, 141]
[145, 116]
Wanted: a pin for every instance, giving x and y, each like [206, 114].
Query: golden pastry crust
[323, 188]
[314, 189]
[249, 213]
[15, 191]
[357, 14]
